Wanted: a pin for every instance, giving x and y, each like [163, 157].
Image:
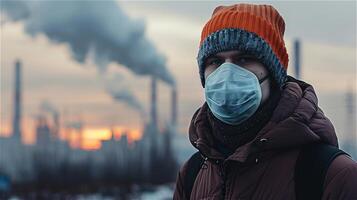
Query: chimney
[174, 106]
[154, 102]
[297, 59]
[154, 127]
[56, 125]
[16, 128]
[351, 119]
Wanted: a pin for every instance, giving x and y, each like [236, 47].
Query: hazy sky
[327, 31]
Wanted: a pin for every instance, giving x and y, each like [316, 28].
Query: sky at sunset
[327, 31]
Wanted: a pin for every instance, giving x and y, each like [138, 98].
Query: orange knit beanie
[254, 29]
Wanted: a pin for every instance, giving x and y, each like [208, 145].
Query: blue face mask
[233, 93]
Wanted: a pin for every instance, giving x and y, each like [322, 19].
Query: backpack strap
[311, 168]
[193, 167]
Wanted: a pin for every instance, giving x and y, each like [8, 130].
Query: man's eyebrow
[233, 55]
[213, 56]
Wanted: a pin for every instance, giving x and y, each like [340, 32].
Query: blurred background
[97, 96]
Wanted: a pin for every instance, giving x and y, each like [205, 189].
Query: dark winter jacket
[264, 167]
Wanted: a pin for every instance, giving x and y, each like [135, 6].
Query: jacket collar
[297, 120]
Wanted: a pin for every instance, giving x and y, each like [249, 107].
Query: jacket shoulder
[341, 179]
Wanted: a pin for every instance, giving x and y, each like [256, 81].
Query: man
[257, 120]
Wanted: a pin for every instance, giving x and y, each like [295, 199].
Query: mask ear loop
[263, 79]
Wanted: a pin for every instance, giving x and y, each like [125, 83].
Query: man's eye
[244, 59]
[215, 62]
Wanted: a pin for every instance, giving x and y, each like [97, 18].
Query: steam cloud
[97, 30]
[119, 92]
[46, 106]
[126, 96]
[83, 25]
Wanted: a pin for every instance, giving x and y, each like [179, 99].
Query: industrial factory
[53, 162]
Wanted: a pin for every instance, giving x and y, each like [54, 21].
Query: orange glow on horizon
[91, 144]
[97, 134]
[28, 135]
[89, 138]
[74, 139]
[5, 131]
[133, 134]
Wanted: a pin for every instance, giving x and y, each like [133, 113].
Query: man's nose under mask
[233, 93]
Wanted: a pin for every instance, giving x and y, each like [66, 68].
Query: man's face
[244, 60]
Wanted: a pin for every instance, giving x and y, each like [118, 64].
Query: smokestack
[154, 102]
[174, 106]
[16, 128]
[154, 127]
[297, 58]
[56, 125]
[351, 118]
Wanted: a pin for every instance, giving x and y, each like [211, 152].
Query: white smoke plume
[116, 87]
[126, 96]
[87, 24]
[48, 107]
